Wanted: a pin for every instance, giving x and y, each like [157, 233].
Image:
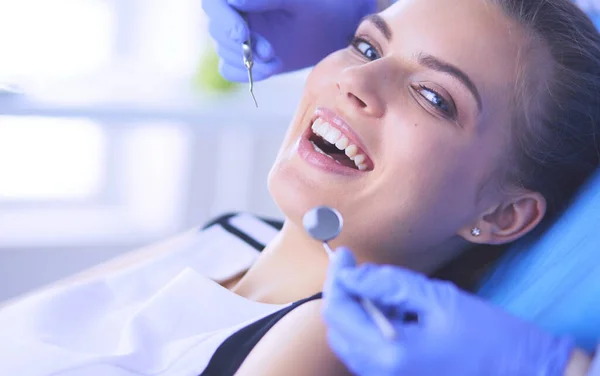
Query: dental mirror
[324, 224]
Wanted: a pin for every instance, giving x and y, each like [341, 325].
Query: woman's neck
[291, 267]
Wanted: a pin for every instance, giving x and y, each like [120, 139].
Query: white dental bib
[164, 317]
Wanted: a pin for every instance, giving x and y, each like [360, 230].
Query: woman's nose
[360, 88]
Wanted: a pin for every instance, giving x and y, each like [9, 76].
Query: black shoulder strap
[232, 353]
[225, 222]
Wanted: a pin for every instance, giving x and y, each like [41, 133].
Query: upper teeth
[334, 136]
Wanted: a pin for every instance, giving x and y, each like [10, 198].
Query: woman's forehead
[473, 35]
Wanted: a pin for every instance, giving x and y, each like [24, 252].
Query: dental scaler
[249, 61]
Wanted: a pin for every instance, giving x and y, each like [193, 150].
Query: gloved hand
[456, 334]
[287, 35]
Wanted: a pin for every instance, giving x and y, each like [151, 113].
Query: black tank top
[233, 351]
[230, 355]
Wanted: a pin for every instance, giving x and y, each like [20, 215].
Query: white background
[111, 146]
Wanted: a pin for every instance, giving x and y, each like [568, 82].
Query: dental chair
[555, 281]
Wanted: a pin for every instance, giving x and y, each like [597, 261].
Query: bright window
[57, 38]
[50, 158]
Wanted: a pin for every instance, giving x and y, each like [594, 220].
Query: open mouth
[330, 141]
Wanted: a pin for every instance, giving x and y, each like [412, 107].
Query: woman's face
[421, 101]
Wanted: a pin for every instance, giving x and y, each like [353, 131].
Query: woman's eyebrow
[380, 24]
[429, 61]
[434, 63]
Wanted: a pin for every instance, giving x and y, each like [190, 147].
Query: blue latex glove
[457, 333]
[595, 367]
[287, 35]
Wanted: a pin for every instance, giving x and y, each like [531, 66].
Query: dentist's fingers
[261, 48]
[225, 23]
[387, 285]
[342, 259]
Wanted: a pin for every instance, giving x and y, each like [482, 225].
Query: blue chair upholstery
[555, 281]
[592, 8]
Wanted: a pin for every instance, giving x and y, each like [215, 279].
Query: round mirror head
[323, 223]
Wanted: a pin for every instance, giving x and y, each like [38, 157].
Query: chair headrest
[554, 281]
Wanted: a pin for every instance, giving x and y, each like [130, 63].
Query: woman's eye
[438, 101]
[365, 48]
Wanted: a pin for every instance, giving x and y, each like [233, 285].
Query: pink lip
[337, 122]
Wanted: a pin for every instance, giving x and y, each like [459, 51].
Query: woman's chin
[293, 192]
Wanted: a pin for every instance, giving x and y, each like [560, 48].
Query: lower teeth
[318, 150]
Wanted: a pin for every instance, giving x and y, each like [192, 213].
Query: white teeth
[335, 136]
[351, 151]
[318, 150]
[342, 143]
[317, 125]
[359, 159]
[324, 128]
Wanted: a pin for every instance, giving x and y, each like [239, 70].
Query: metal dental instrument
[325, 224]
[249, 62]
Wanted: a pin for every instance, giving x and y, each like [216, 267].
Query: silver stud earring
[475, 231]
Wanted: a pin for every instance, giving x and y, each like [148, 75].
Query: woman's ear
[507, 222]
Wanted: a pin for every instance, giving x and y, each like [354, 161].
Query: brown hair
[556, 124]
[555, 128]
